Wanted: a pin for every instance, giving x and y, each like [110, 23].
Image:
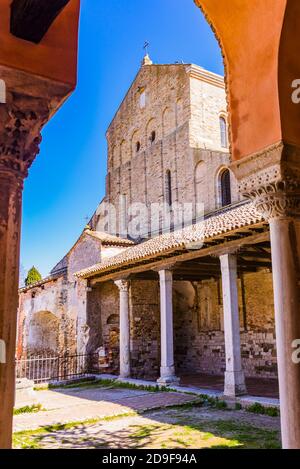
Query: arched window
[168, 188]
[2, 92]
[142, 98]
[153, 136]
[138, 146]
[223, 132]
[225, 188]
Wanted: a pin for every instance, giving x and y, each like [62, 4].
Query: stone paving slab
[69, 405]
[165, 428]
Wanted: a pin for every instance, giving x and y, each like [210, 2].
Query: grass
[186, 431]
[107, 383]
[205, 434]
[257, 408]
[28, 409]
[31, 439]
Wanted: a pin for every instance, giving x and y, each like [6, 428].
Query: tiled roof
[109, 239]
[187, 238]
[45, 280]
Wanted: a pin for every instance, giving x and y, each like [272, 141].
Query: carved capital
[271, 179]
[21, 121]
[123, 285]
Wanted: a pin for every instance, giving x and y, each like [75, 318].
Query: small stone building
[184, 295]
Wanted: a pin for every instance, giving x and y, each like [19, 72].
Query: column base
[124, 377]
[167, 376]
[168, 380]
[234, 384]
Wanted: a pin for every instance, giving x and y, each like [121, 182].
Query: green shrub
[28, 409]
[257, 408]
[33, 276]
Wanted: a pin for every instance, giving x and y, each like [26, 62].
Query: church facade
[173, 275]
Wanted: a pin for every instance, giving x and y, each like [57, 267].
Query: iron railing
[44, 369]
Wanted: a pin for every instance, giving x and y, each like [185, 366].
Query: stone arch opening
[151, 131]
[224, 182]
[201, 184]
[113, 319]
[179, 112]
[223, 130]
[43, 334]
[169, 122]
[2, 92]
[135, 143]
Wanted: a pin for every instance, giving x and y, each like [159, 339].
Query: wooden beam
[193, 254]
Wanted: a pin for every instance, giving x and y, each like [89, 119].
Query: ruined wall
[103, 325]
[145, 329]
[44, 325]
[198, 324]
[55, 312]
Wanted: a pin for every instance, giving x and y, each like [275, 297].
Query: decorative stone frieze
[271, 179]
[123, 285]
[21, 121]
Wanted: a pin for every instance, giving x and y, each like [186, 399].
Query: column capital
[166, 267]
[271, 179]
[228, 261]
[21, 122]
[227, 252]
[122, 284]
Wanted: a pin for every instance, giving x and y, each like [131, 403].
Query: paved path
[79, 404]
[166, 428]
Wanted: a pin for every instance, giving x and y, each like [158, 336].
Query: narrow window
[153, 136]
[138, 146]
[225, 188]
[143, 99]
[223, 132]
[2, 92]
[168, 188]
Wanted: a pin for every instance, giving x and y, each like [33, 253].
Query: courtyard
[104, 415]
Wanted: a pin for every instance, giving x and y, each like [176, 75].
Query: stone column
[19, 143]
[123, 286]
[10, 221]
[271, 179]
[234, 375]
[167, 369]
[79, 304]
[285, 238]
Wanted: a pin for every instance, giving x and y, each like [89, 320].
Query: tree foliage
[33, 276]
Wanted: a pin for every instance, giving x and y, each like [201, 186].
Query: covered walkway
[259, 387]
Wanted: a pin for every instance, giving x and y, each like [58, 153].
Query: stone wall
[52, 316]
[198, 324]
[181, 108]
[44, 324]
[145, 329]
[103, 326]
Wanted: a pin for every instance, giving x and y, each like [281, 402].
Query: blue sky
[67, 180]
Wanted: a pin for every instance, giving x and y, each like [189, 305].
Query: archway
[43, 334]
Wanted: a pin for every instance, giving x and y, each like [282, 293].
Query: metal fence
[43, 369]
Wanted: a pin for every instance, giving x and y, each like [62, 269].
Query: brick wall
[183, 110]
[199, 337]
[145, 329]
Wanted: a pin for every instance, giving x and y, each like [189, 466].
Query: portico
[181, 339]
